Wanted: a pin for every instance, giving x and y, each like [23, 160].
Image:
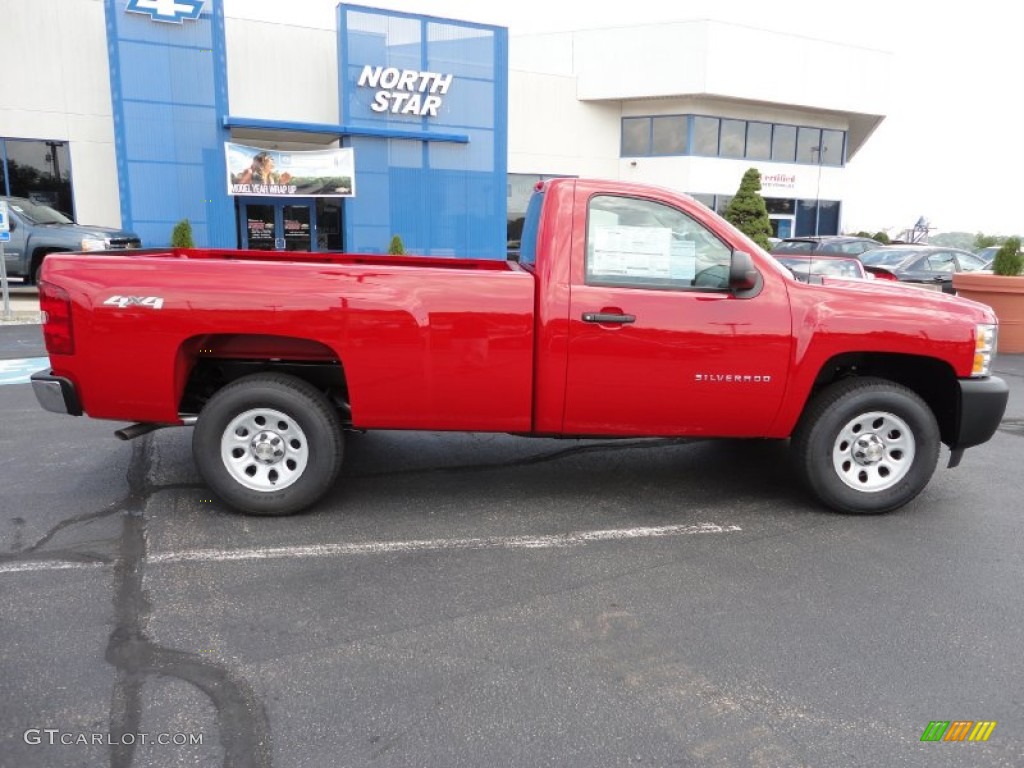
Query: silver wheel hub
[264, 450]
[873, 451]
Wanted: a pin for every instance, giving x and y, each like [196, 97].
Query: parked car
[835, 245]
[38, 230]
[806, 266]
[928, 265]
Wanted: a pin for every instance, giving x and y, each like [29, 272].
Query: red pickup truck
[631, 311]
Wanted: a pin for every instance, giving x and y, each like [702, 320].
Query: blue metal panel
[443, 198]
[169, 91]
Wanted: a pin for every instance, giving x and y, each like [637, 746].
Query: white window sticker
[632, 252]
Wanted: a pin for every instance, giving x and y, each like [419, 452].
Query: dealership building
[336, 127]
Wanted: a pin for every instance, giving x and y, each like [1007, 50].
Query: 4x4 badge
[123, 302]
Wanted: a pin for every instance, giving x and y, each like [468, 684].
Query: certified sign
[4, 221]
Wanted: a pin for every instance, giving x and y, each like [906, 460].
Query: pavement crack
[85, 517]
[244, 728]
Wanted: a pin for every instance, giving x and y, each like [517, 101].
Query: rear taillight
[57, 329]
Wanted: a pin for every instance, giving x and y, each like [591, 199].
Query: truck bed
[427, 343]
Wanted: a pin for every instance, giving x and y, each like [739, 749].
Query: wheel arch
[932, 379]
[207, 363]
[37, 256]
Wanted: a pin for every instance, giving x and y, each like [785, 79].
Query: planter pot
[1006, 297]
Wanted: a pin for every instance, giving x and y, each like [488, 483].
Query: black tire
[853, 441]
[298, 422]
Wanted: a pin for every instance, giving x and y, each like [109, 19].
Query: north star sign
[405, 91]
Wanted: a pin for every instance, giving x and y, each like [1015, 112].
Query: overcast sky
[952, 146]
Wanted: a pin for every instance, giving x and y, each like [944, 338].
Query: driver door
[658, 344]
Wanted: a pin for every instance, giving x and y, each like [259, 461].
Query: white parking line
[18, 371]
[553, 541]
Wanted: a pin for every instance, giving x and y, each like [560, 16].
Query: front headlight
[94, 244]
[985, 337]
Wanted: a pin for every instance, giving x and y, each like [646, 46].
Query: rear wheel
[866, 445]
[268, 444]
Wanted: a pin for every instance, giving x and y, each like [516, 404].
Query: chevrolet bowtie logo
[173, 11]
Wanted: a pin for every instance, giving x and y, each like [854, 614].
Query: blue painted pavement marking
[18, 371]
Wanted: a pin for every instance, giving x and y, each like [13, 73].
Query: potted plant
[1003, 290]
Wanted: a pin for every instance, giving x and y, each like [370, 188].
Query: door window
[297, 234]
[643, 244]
[259, 226]
[941, 262]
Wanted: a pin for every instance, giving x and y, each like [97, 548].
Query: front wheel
[866, 445]
[268, 444]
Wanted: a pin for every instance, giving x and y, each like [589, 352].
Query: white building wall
[56, 86]
[551, 132]
[282, 72]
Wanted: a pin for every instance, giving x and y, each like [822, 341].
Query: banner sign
[276, 173]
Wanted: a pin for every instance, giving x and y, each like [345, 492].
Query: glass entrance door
[297, 221]
[258, 227]
[289, 225]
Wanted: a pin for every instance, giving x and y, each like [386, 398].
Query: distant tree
[1008, 260]
[986, 241]
[862, 233]
[963, 240]
[881, 237]
[396, 248]
[747, 211]
[181, 236]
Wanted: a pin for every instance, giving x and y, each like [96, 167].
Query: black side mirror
[743, 275]
[11, 223]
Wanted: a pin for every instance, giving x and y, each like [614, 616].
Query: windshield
[37, 213]
[881, 258]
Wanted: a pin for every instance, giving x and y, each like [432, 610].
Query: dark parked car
[804, 266]
[832, 245]
[927, 265]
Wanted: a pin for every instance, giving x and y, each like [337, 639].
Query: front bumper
[982, 404]
[55, 393]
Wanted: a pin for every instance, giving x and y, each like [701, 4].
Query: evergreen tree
[181, 237]
[396, 248]
[747, 211]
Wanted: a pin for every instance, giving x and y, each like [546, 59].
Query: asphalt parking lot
[464, 600]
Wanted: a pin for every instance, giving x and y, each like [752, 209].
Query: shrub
[181, 237]
[747, 211]
[396, 248]
[1008, 261]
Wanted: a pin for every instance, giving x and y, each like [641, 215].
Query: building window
[669, 135]
[784, 143]
[636, 136]
[733, 139]
[728, 137]
[705, 136]
[38, 170]
[759, 141]
[707, 200]
[808, 146]
[832, 147]
[779, 206]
